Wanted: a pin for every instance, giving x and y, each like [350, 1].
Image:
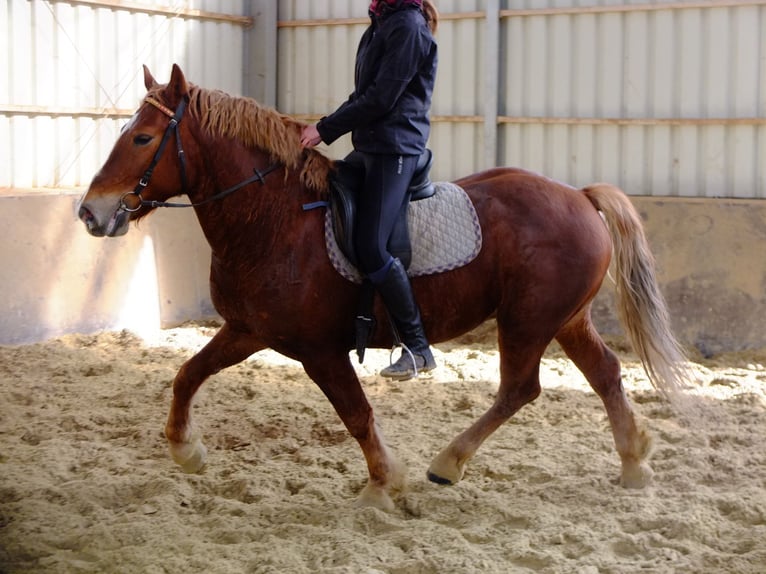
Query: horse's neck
[248, 222]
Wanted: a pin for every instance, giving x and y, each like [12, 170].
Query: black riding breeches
[386, 179]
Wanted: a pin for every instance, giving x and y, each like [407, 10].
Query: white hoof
[375, 497]
[636, 476]
[190, 456]
[445, 469]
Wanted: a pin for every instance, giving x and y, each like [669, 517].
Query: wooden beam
[622, 8]
[169, 11]
[61, 112]
[633, 121]
[573, 121]
[97, 113]
[570, 11]
[355, 21]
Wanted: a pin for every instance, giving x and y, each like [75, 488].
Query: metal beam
[260, 57]
[491, 81]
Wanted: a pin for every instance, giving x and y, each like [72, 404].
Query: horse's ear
[149, 80]
[177, 88]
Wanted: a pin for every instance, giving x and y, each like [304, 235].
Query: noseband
[175, 119]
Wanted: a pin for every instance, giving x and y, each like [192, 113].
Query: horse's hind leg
[335, 375]
[519, 385]
[601, 368]
[226, 348]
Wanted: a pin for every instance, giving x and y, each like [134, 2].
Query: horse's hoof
[433, 477]
[375, 497]
[637, 477]
[189, 456]
[445, 469]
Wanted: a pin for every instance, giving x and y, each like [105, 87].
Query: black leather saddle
[345, 185]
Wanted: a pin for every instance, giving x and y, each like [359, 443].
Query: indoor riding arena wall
[666, 100]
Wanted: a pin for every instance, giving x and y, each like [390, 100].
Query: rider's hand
[310, 136]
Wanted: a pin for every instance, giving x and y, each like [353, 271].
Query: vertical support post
[491, 81]
[260, 57]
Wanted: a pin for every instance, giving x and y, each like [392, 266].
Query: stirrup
[406, 349]
[406, 366]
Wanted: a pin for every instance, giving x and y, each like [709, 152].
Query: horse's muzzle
[87, 217]
[116, 225]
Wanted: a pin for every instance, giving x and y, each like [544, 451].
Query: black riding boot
[396, 292]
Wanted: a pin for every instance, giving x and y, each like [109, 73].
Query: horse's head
[146, 163]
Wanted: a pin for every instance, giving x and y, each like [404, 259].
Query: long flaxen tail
[641, 306]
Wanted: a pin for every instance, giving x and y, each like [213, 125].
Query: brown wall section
[711, 260]
[57, 279]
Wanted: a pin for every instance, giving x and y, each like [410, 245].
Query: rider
[388, 117]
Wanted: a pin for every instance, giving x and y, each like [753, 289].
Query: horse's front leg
[335, 375]
[225, 349]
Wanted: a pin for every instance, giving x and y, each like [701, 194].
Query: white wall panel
[672, 95]
[71, 73]
[316, 62]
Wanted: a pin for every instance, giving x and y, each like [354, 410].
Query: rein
[175, 119]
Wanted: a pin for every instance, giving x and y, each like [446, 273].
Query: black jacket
[394, 78]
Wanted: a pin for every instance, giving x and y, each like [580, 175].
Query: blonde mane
[257, 126]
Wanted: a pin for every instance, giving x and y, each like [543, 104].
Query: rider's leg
[396, 291]
[386, 180]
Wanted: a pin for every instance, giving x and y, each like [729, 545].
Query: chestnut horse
[545, 252]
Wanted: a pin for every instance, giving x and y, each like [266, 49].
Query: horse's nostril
[85, 214]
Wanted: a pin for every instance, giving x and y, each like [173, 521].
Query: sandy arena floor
[87, 483]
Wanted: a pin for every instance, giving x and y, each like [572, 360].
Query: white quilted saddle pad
[444, 234]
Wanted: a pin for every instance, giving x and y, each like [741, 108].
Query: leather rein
[175, 119]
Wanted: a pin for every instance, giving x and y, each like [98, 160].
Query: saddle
[345, 185]
[446, 231]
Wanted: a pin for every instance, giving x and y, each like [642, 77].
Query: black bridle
[175, 119]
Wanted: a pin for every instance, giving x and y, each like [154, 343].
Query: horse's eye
[142, 139]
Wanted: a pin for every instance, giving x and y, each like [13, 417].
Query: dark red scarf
[380, 7]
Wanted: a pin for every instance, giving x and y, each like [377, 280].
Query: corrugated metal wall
[663, 99]
[660, 98]
[71, 74]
